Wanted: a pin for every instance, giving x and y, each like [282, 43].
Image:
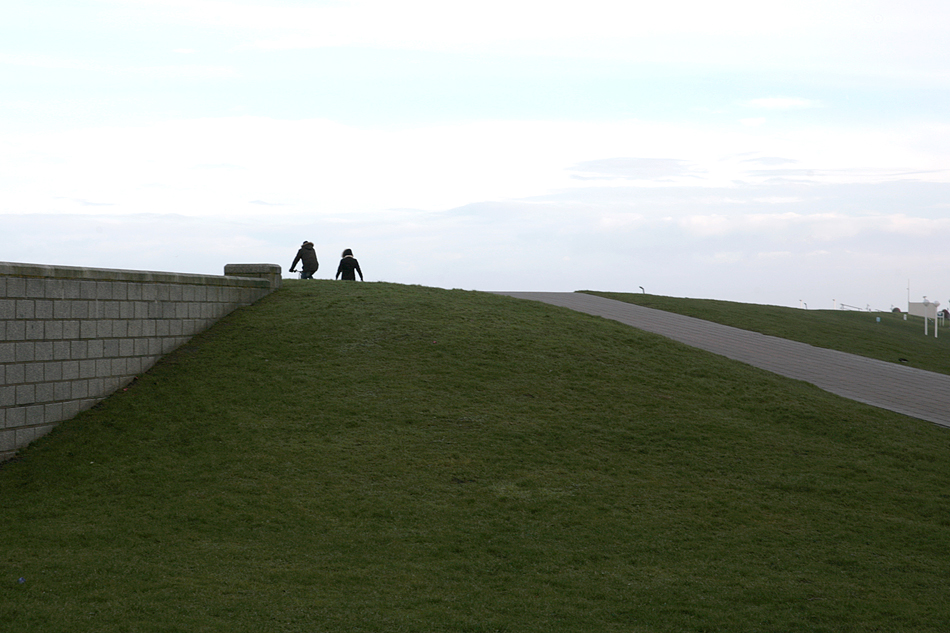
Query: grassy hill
[375, 457]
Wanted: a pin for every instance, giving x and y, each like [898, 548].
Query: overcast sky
[788, 153]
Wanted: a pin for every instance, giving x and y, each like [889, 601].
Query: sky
[786, 153]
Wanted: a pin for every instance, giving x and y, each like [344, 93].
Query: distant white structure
[926, 309]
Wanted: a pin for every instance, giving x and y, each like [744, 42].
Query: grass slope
[374, 457]
[890, 339]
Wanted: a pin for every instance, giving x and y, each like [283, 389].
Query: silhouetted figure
[349, 267]
[307, 256]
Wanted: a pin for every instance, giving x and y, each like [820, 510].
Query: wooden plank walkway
[920, 394]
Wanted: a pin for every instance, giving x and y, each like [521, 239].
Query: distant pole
[926, 305]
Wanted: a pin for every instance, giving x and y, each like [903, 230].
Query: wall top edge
[272, 269]
[15, 269]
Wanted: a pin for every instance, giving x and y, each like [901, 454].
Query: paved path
[914, 392]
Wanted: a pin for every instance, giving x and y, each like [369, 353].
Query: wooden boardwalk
[914, 392]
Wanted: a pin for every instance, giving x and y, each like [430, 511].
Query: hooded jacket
[307, 256]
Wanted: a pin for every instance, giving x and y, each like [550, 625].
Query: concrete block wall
[69, 336]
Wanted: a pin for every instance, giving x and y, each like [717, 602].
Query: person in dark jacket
[307, 256]
[347, 267]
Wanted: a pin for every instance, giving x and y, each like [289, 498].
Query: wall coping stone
[270, 272]
[13, 269]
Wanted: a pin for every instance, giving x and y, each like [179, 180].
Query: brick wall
[69, 336]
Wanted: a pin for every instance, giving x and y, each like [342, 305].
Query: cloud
[125, 70]
[633, 169]
[45, 61]
[217, 167]
[770, 160]
[826, 36]
[854, 174]
[778, 199]
[87, 203]
[781, 103]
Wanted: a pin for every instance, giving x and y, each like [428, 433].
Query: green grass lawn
[890, 339]
[376, 457]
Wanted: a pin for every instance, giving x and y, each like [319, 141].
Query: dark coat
[347, 267]
[307, 256]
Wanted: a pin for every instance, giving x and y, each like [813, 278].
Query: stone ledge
[14, 269]
[270, 272]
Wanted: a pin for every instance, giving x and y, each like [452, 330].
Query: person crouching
[307, 256]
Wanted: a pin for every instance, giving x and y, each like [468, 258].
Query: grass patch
[890, 339]
[376, 457]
